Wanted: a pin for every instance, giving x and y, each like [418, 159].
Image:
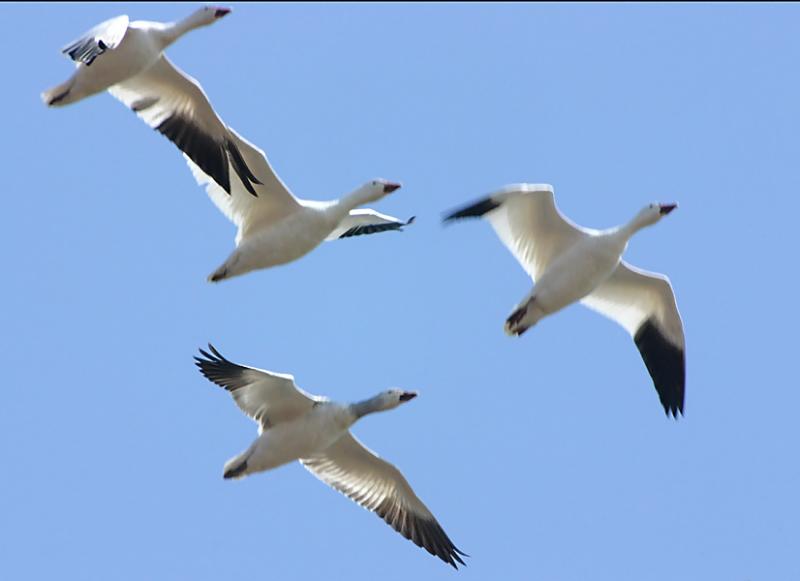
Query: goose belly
[290, 239]
[289, 441]
[574, 275]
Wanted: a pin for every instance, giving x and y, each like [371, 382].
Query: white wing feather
[631, 296]
[163, 91]
[529, 224]
[265, 396]
[361, 475]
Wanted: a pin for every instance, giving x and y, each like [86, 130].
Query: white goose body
[295, 425]
[138, 50]
[302, 437]
[286, 241]
[117, 50]
[569, 263]
[578, 270]
[290, 227]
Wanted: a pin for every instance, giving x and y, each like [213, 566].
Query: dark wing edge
[85, 50]
[221, 371]
[375, 228]
[105, 36]
[211, 155]
[424, 533]
[474, 210]
[666, 364]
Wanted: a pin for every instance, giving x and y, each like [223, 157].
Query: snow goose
[569, 263]
[295, 425]
[118, 51]
[274, 226]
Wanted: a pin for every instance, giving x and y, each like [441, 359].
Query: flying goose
[118, 53]
[277, 228]
[569, 263]
[295, 425]
[274, 226]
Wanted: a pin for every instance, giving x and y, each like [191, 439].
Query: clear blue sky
[547, 457]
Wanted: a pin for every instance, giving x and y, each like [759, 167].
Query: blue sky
[545, 457]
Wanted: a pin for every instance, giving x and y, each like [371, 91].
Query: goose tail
[236, 467]
[59, 95]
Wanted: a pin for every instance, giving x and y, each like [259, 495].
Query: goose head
[371, 191]
[652, 213]
[207, 15]
[380, 187]
[392, 398]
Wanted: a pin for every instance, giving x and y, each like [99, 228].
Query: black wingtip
[456, 555]
[85, 50]
[375, 228]
[475, 210]
[666, 365]
[206, 359]
[673, 410]
[202, 148]
[215, 355]
[219, 370]
[241, 168]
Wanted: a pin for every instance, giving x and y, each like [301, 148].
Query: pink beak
[389, 187]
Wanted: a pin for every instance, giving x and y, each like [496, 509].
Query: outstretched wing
[526, 220]
[267, 397]
[105, 36]
[361, 475]
[365, 221]
[274, 201]
[175, 105]
[644, 304]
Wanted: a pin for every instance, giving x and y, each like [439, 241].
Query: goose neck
[367, 406]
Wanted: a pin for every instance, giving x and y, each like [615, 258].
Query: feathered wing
[105, 36]
[365, 221]
[361, 475]
[274, 201]
[644, 304]
[526, 220]
[267, 397]
[533, 229]
[175, 105]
